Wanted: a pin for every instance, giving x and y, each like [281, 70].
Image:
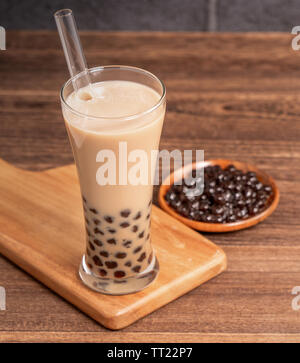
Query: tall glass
[119, 257]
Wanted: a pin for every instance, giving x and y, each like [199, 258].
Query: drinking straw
[71, 44]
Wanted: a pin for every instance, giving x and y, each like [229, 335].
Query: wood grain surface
[234, 95]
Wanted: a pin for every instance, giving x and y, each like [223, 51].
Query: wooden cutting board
[42, 231]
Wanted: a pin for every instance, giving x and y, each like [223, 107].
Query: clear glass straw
[71, 44]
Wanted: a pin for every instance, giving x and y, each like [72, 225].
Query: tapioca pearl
[138, 249]
[111, 241]
[136, 268]
[87, 221]
[92, 247]
[142, 257]
[128, 264]
[104, 254]
[137, 216]
[90, 266]
[98, 242]
[125, 213]
[119, 274]
[127, 244]
[124, 224]
[141, 235]
[109, 219]
[120, 255]
[111, 230]
[97, 261]
[98, 231]
[135, 228]
[96, 221]
[102, 272]
[111, 264]
[150, 257]
[93, 210]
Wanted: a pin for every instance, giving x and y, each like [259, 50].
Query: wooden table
[235, 96]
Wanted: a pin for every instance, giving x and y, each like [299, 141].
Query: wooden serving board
[42, 231]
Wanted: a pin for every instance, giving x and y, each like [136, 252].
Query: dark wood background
[234, 95]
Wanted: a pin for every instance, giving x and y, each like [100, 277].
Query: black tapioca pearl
[141, 235]
[109, 219]
[89, 266]
[127, 244]
[248, 192]
[137, 216]
[136, 268]
[124, 224]
[258, 186]
[104, 254]
[134, 228]
[142, 257]
[231, 218]
[125, 213]
[121, 255]
[97, 242]
[87, 221]
[112, 241]
[97, 261]
[92, 247]
[128, 264]
[268, 189]
[253, 210]
[102, 272]
[84, 199]
[111, 230]
[93, 210]
[138, 249]
[96, 221]
[119, 274]
[150, 257]
[111, 264]
[98, 231]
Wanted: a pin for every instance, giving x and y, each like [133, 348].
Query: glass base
[121, 286]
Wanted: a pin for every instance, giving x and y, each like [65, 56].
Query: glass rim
[129, 117]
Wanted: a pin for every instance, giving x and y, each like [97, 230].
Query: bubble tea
[113, 125]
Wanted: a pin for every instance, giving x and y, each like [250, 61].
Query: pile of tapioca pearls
[109, 254]
[229, 195]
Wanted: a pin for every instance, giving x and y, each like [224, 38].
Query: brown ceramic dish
[219, 227]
